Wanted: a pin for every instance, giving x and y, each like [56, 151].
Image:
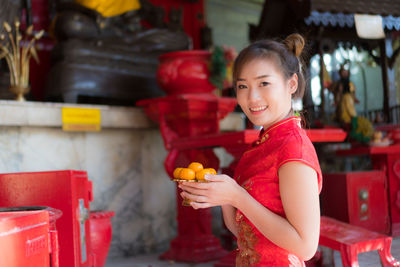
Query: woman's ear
[293, 83]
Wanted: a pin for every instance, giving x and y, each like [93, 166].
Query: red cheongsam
[257, 172]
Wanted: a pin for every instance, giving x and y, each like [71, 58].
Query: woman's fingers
[194, 197]
[209, 194]
[208, 178]
[191, 185]
[194, 191]
[204, 205]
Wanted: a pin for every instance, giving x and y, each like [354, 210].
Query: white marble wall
[126, 167]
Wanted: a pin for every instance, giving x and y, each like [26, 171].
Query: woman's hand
[219, 190]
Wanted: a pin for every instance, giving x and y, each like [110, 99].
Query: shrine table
[386, 158]
[350, 240]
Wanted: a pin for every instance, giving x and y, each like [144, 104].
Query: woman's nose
[254, 94]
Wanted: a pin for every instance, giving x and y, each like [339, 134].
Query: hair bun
[294, 43]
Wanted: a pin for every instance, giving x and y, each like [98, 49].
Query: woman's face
[263, 93]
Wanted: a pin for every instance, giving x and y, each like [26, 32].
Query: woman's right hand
[219, 190]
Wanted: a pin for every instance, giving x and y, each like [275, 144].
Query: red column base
[227, 261]
[195, 249]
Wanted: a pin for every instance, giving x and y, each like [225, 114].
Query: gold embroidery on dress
[247, 185]
[239, 216]
[247, 255]
[263, 139]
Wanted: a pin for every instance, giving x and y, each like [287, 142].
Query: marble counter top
[45, 114]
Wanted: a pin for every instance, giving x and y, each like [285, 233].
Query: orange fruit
[200, 174]
[212, 171]
[177, 171]
[195, 166]
[187, 174]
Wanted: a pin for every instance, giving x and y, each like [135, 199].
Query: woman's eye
[241, 86]
[264, 83]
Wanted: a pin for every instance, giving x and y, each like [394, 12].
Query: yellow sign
[81, 119]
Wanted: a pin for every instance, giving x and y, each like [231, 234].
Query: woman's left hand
[217, 191]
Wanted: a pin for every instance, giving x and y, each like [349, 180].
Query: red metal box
[68, 191]
[358, 198]
[24, 239]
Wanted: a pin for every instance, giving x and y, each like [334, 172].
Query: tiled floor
[369, 259]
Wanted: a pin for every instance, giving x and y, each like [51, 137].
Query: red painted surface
[326, 135]
[185, 72]
[187, 115]
[54, 249]
[38, 71]
[358, 198]
[24, 239]
[387, 159]
[193, 19]
[227, 261]
[40, 15]
[61, 190]
[351, 240]
[54, 215]
[100, 235]
[395, 135]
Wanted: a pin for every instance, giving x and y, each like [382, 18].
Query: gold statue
[110, 8]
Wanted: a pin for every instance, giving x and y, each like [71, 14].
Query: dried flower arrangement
[17, 50]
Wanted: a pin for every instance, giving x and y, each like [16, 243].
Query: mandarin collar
[287, 123]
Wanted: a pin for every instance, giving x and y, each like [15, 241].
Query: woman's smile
[258, 109]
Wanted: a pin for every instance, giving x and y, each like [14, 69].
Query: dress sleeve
[301, 149]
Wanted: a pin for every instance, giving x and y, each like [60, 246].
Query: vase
[19, 91]
[100, 235]
[185, 72]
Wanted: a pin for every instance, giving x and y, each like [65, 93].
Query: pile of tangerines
[194, 172]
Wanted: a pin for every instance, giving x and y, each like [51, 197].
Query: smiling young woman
[263, 93]
[271, 205]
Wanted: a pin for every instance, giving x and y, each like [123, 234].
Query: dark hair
[345, 82]
[286, 54]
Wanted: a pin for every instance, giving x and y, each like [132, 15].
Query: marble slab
[45, 114]
[127, 171]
